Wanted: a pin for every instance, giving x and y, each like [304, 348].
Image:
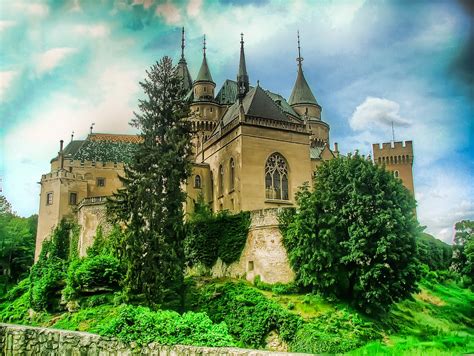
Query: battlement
[61, 174]
[87, 164]
[387, 148]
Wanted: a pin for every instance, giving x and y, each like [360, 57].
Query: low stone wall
[26, 340]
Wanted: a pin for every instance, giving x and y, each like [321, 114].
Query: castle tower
[204, 85]
[182, 68]
[397, 158]
[302, 100]
[242, 76]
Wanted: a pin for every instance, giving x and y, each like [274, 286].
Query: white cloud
[94, 31]
[377, 111]
[52, 58]
[6, 79]
[194, 7]
[170, 12]
[32, 8]
[5, 24]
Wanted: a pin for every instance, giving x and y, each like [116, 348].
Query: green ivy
[212, 236]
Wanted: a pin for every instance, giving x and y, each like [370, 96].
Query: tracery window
[231, 175]
[276, 177]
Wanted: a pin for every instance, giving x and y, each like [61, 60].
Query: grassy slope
[438, 321]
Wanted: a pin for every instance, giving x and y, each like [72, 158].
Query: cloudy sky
[65, 64]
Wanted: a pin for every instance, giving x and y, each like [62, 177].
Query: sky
[65, 64]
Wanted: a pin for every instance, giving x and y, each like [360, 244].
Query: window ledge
[278, 201]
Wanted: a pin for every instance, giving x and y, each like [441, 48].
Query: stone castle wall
[26, 340]
[263, 255]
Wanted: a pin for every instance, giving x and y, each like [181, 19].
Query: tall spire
[242, 76]
[204, 74]
[182, 68]
[301, 93]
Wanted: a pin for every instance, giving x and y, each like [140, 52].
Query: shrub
[141, 325]
[101, 271]
[249, 315]
[277, 288]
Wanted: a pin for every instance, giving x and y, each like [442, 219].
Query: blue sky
[67, 63]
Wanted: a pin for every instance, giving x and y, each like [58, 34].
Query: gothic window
[276, 177]
[232, 174]
[221, 180]
[197, 181]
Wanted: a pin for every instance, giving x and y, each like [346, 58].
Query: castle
[252, 150]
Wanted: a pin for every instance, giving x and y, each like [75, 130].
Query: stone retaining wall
[27, 340]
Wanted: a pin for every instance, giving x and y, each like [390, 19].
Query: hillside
[438, 320]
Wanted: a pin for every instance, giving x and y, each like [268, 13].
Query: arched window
[396, 174]
[221, 180]
[197, 181]
[232, 174]
[276, 177]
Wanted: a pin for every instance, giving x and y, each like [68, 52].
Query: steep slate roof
[301, 93]
[204, 74]
[183, 72]
[103, 148]
[256, 103]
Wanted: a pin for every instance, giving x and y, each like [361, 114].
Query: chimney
[336, 149]
[61, 155]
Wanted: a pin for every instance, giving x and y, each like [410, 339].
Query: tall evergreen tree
[151, 204]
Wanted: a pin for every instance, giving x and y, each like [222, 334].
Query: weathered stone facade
[25, 340]
[263, 255]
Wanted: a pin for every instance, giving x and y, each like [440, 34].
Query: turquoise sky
[65, 64]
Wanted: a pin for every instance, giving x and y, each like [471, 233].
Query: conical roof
[301, 93]
[204, 74]
[182, 68]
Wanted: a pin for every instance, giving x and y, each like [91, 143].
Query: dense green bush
[101, 271]
[337, 332]
[277, 288]
[141, 325]
[211, 236]
[354, 235]
[249, 315]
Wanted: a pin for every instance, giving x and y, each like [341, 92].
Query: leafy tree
[463, 250]
[353, 236]
[435, 253]
[150, 205]
[17, 243]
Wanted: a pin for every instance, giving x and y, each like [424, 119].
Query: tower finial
[182, 42]
[241, 39]
[242, 76]
[204, 46]
[299, 59]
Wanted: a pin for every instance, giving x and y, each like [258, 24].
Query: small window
[221, 180]
[211, 109]
[49, 198]
[72, 198]
[101, 182]
[197, 181]
[205, 89]
[250, 267]
[232, 174]
[396, 174]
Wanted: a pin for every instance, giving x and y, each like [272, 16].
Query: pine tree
[150, 206]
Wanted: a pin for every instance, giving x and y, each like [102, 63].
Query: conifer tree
[150, 206]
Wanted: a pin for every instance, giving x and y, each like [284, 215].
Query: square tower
[397, 158]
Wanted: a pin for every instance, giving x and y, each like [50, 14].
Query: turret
[182, 68]
[204, 85]
[242, 76]
[302, 99]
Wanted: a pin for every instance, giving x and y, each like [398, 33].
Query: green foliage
[211, 236]
[99, 271]
[353, 236]
[151, 204]
[249, 315]
[276, 288]
[463, 251]
[141, 325]
[17, 245]
[47, 276]
[433, 252]
[337, 332]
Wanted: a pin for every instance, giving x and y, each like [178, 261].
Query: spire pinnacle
[204, 46]
[242, 76]
[299, 59]
[182, 43]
